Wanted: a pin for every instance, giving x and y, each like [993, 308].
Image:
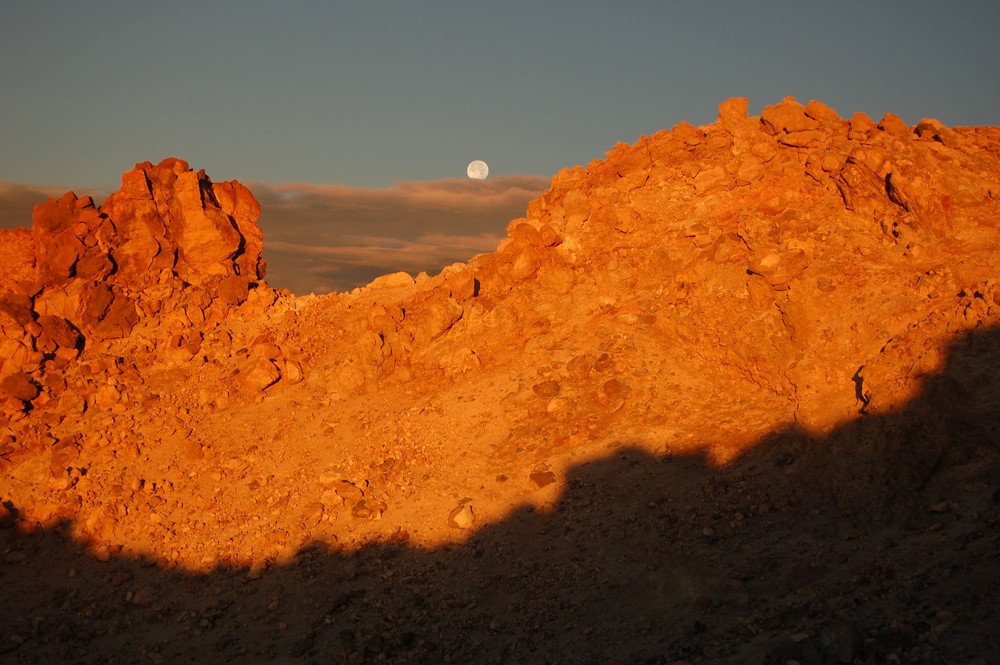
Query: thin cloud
[358, 250]
[320, 238]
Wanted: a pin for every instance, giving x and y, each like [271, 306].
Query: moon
[478, 170]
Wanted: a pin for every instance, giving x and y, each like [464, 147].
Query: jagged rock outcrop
[166, 223]
[169, 242]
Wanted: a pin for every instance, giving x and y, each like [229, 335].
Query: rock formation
[803, 307]
[88, 275]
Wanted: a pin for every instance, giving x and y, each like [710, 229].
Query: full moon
[478, 170]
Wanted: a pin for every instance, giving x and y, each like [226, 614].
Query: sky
[385, 96]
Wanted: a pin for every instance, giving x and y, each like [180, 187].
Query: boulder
[19, 386]
[96, 265]
[787, 117]
[172, 217]
[894, 125]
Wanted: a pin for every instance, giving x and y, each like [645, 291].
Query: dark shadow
[876, 544]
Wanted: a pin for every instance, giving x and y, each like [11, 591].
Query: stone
[787, 117]
[894, 125]
[117, 320]
[239, 204]
[16, 311]
[546, 389]
[106, 397]
[750, 170]
[234, 289]
[462, 517]
[348, 491]
[292, 373]
[19, 386]
[526, 264]
[821, 112]
[207, 241]
[802, 139]
[576, 208]
[260, 374]
[394, 280]
[164, 218]
[59, 332]
[733, 114]
[688, 134]
[211, 229]
[542, 479]
[860, 127]
[935, 130]
[779, 268]
[55, 238]
[712, 180]
[361, 510]
[330, 476]
[434, 318]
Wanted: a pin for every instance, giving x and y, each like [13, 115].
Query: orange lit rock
[172, 217]
[894, 125]
[712, 342]
[54, 232]
[19, 386]
[99, 268]
[17, 259]
[57, 332]
[788, 116]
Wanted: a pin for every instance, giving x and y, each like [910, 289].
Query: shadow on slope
[875, 544]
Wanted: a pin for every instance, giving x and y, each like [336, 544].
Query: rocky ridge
[797, 283]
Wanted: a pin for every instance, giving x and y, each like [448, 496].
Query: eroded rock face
[174, 218]
[168, 240]
[164, 217]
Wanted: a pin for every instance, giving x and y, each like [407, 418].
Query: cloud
[321, 238]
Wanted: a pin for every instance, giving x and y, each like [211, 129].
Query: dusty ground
[641, 547]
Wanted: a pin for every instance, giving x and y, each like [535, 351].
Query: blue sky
[377, 94]
[382, 92]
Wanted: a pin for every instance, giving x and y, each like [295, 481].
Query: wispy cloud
[321, 238]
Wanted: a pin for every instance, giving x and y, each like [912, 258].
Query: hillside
[727, 395]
